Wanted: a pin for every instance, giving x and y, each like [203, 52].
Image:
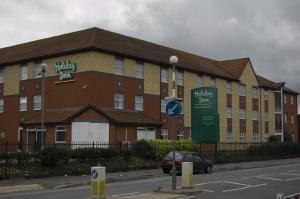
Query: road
[247, 183]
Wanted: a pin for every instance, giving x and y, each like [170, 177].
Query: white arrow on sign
[171, 110]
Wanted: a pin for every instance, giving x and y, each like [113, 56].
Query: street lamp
[43, 70]
[174, 61]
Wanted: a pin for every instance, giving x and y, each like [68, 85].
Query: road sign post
[173, 109]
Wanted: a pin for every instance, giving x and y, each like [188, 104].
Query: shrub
[143, 149]
[50, 156]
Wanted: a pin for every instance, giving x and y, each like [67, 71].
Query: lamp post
[43, 70]
[174, 61]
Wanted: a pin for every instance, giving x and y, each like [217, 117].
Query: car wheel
[166, 171]
[208, 169]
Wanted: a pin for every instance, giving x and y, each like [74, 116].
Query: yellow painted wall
[262, 115]
[249, 79]
[235, 112]
[206, 81]
[189, 84]
[129, 67]
[222, 108]
[11, 80]
[151, 79]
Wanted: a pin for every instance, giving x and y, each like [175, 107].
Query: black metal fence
[30, 160]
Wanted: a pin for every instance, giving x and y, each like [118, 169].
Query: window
[199, 81]
[292, 119]
[1, 105]
[242, 113]
[1, 76]
[119, 66]
[266, 116]
[213, 82]
[60, 134]
[228, 87]
[254, 92]
[179, 77]
[164, 134]
[139, 103]
[37, 102]
[229, 137]
[285, 99]
[23, 104]
[242, 90]
[266, 94]
[163, 104]
[255, 137]
[285, 118]
[229, 112]
[164, 75]
[242, 137]
[180, 134]
[139, 70]
[23, 72]
[254, 115]
[267, 135]
[38, 69]
[119, 101]
[182, 106]
[292, 100]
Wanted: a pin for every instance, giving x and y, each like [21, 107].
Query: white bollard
[280, 196]
[187, 175]
[98, 186]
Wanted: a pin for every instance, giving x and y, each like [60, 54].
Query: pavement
[21, 184]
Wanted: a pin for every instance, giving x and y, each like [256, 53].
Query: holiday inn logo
[65, 69]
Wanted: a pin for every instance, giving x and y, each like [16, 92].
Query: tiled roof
[285, 89]
[234, 67]
[119, 117]
[264, 82]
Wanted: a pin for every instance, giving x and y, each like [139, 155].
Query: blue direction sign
[173, 108]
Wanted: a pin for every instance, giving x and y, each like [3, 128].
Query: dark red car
[199, 164]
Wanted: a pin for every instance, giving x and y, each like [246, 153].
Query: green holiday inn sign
[65, 69]
[205, 118]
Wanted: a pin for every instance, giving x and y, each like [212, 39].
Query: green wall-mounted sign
[65, 69]
[205, 118]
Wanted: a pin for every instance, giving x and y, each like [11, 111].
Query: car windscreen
[178, 156]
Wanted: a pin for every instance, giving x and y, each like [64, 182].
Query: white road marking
[187, 197]
[268, 178]
[207, 183]
[206, 190]
[296, 194]
[237, 183]
[269, 174]
[249, 186]
[293, 171]
[125, 194]
[293, 179]
[293, 174]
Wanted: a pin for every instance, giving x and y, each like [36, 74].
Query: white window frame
[38, 70]
[37, 102]
[118, 101]
[23, 72]
[242, 114]
[164, 76]
[267, 135]
[229, 112]
[255, 92]
[180, 134]
[292, 99]
[139, 103]
[229, 87]
[23, 104]
[163, 105]
[182, 107]
[266, 94]
[2, 76]
[242, 137]
[266, 116]
[139, 70]
[199, 81]
[62, 130]
[254, 115]
[1, 105]
[119, 66]
[242, 90]
[212, 82]
[292, 119]
[255, 137]
[285, 98]
[285, 118]
[164, 133]
[179, 77]
[229, 137]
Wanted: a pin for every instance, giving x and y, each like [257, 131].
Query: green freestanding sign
[205, 117]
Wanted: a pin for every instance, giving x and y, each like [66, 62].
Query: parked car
[199, 163]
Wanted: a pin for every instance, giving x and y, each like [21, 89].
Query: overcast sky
[266, 31]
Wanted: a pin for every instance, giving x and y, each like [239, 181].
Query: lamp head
[173, 59]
